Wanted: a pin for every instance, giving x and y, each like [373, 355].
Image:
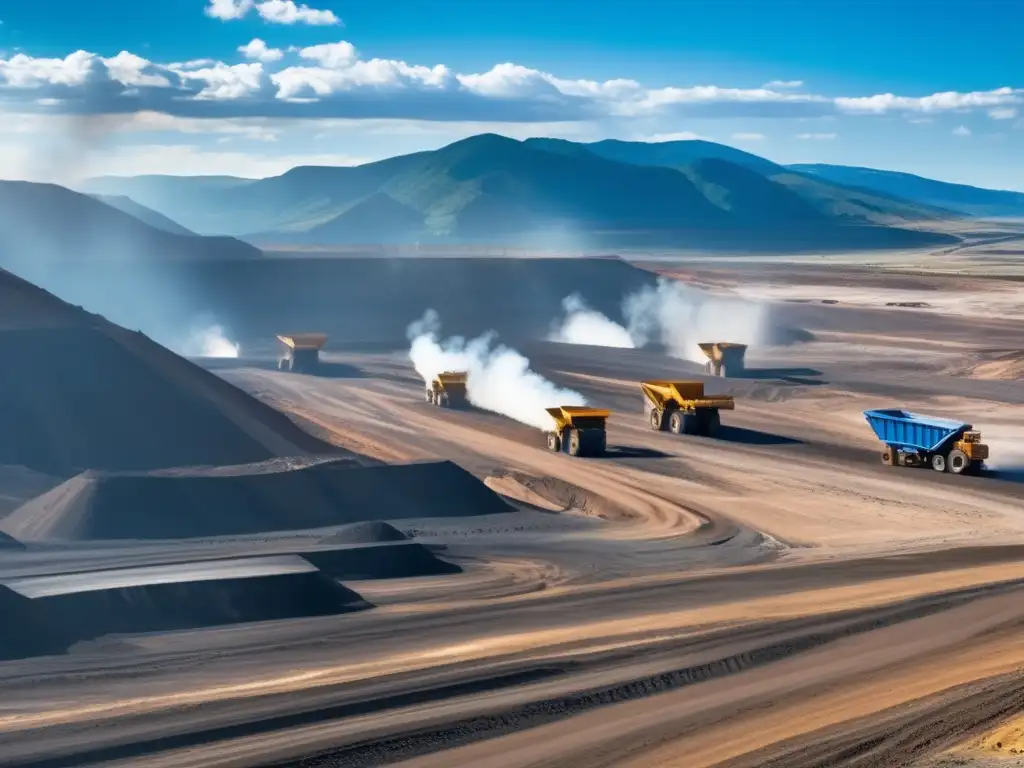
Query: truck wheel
[430, 396]
[888, 456]
[574, 443]
[554, 442]
[712, 422]
[958, 462]
[675, 423]
[939, 462]
[657, 419]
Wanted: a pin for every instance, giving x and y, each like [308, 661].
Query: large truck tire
[554, 442]
[957, 462]
[676, 425]
[657, 419]
[939, 462]
[575, 444]
[680, 423]
[430, 396]
[889, 456]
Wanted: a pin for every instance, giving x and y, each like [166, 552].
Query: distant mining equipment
[448, 390]
[725, 358]
[301, 352]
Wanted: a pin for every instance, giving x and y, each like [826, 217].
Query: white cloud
[817, 136]
[272, 11]
[331, 55]
[1003, 113]
[748, 137]
[258, 50]
[937, 102]
[784, 84]
[225, 82]
[961, 130]
[320, 82]
[228, 10]
[332, 80]
[287, 12]
[23, 71]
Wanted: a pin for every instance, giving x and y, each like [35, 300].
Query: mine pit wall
[52, 624]
[370, 300]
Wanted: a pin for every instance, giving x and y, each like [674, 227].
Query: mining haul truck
[579, 431]
[301, 352]
[913, 440]
[725, 358]
[448, 390]
[682, 408]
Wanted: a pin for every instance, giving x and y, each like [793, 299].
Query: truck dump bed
[903, 429]
[578, 417]
[303, 340]
[725, 358]
[687, 395]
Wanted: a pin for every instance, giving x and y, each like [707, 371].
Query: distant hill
[58, 239]
[490, 188]
[142, 213]
[972, 201]
[678, 154]
[46, 222]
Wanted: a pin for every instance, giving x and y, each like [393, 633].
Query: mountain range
[492, 189]
[960, 198]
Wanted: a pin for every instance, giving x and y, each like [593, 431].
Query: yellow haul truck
[301, 352]
[579, 431]
[682, 408]
[448, 390]
[725, 358]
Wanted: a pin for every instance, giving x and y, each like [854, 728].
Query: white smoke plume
[680, 317]
[500, 379]
[211, 341]
[583, 325]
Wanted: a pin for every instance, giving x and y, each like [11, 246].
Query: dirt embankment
[81, 393]
[53, 613]
[998, 366]
[245, 500]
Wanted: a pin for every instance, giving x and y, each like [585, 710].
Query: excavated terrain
[773, 596]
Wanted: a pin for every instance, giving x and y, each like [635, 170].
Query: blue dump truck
[913, 440]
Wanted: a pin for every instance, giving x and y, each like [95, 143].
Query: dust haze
[680, 317]
[500, 378]
[210, 341]
[583, 325]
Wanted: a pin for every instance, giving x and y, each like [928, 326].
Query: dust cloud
[500, 379]
[583, 325]
[680, 317]
[210, 341]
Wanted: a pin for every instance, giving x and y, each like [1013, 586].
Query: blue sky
[935, 88]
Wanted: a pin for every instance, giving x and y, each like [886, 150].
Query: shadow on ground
[753, 437]
[634, 452]
[789, 375]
